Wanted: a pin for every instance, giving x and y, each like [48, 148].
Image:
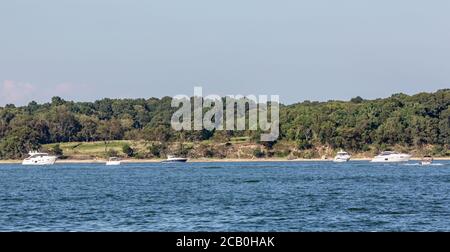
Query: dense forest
[356, 125]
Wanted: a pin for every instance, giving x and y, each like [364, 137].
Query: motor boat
[113, 161]
[39, 158]
[427, 160]
[342, 156]
[174, 159]
[391, 156]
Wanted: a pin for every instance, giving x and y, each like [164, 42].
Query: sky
[84, 50]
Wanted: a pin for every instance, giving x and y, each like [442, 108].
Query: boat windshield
[386, 153]
[36, 155]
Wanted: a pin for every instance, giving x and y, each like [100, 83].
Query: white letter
[275, 121]
[198, 108]
[184, 111]
[216, 111]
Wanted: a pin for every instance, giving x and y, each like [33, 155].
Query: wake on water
[419, 164]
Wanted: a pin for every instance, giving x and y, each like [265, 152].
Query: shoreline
[205, 160]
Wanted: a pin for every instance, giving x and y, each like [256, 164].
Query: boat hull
[40, 161]
[180, 160]
[392, 159]
[341, 160]
[113, 163]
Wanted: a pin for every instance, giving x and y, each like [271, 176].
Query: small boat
[113, 161]
[391, 157]
[39, 158]
[427, 160]
[174, 159]
[342, 156]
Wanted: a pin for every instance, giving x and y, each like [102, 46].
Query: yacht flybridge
[391, 156]
[39, 158]
[342, 156]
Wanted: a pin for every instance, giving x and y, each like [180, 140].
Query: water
[266, 196]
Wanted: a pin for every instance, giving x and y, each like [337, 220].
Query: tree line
[417, 120]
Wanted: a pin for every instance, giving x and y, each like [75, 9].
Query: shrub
[57, 150]
[208, 153]
[156, 150]
[127, 150]
[258, 153]
[111, 153]
[304, 144]
[282, 153]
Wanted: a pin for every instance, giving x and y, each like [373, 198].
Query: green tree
[128, 150]
[18, 142]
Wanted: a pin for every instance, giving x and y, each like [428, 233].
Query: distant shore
[203, 160]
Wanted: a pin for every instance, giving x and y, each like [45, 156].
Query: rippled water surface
[263, 196]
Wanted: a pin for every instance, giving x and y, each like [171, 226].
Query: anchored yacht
[113, 161]
[39, 158]
[174, 159]
[342, 156]
[427, 160]
[391, 156]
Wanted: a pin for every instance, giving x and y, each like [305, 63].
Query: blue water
[267, 196]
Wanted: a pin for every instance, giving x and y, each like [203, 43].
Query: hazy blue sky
[314, 50]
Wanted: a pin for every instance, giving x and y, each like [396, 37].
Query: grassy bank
[235, 149]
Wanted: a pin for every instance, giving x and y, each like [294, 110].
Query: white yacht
[39, 158]
[391, 156]
[174, 159]
[342, 156]
[427, 160]
[113, 161]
